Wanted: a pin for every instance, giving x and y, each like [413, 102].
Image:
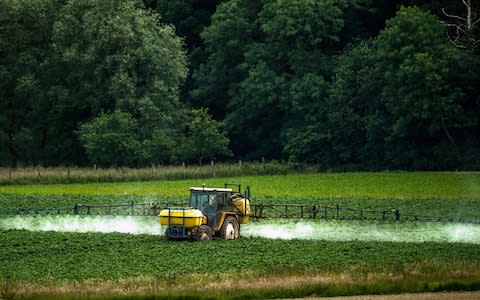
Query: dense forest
[348, 85]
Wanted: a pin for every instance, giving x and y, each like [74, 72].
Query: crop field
[402, 185]
[116, 256]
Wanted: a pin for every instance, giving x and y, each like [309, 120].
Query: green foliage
[25, 28]
[43, 175]
[189, 17]
[45, 258]
[137, 64]
[306, 145]
[204, 139]
[348, 85]
[284, 71]
[226, 39]
[71, 61]
[401, 101]
[161, 147]
[431, 194]
[355, 112]
[119, 256]
[111, 139]
[274, 60]
[421, 91]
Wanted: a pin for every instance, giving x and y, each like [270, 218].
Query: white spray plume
[365, 231]
[309, 230]
[122, 224]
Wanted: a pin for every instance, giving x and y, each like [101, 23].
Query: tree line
[361, 84]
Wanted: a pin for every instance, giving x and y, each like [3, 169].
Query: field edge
[252, 287]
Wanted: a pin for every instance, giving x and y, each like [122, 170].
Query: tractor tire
[204, 233]
[230, 228]
[165, 236]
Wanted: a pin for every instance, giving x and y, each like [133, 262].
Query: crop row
[465, 208]
[37, 256]
[397, 185]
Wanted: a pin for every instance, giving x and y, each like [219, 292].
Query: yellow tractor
[213, 212]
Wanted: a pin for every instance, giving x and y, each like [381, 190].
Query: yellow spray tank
[184, 216]
[242, 205]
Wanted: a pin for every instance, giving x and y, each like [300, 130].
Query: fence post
[314, 211]
[213, 167]
[338, 209]
[397, 215]
[75, 209]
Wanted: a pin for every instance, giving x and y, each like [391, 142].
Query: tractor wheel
[230, 228]
[204, 233]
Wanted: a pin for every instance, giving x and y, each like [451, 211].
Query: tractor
[213, 212]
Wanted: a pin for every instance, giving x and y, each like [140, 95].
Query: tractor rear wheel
[204, 233]
[230, 228]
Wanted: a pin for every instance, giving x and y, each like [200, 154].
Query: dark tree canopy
[112, 139]
[360, 85]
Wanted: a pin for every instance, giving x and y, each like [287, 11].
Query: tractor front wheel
[166, 237]
[204, 233]
[230, 228]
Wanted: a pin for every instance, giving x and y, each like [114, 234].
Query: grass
[262, 288]
[399, 185]
[439, 194]
[40, 175]
[53, 262]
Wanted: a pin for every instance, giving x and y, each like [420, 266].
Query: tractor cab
[211, 201]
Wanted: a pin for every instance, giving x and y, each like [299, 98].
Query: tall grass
[32, 175]
[260, 286]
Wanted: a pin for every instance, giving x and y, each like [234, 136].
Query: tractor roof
[205, 189]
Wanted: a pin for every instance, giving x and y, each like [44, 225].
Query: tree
[403, 101]
[356, 114]
[341, 129]
[233, 28]
[161, 148]
[25, 30]
[113, 55]
[421, 71]
[189, 17]
[204, 138]
[112, 139]
[462, 32]
[260, 53]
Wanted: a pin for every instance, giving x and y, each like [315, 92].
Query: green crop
[56, 257]
[37, 256]
[400, 185]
